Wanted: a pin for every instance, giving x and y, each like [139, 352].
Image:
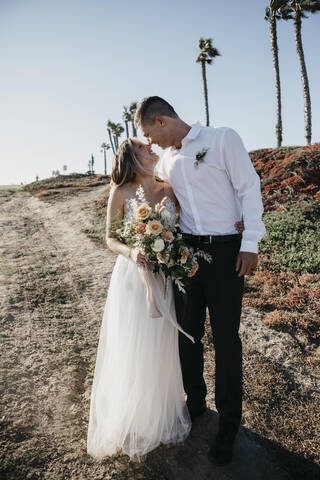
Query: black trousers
[216, 285]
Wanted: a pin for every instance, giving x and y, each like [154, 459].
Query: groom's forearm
[252, 210]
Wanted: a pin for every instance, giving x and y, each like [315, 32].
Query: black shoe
[220, 452]
[198, 411]
[220, 456]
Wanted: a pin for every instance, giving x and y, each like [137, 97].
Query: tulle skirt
[137, 398]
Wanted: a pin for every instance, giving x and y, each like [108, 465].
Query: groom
[213, 178]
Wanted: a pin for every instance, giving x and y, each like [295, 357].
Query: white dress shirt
[223, 188]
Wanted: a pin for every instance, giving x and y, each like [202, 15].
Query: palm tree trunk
[111, 142]
[304, 77]
[275, 56]
[127, 129]
[134, 130]
[105, 161]
[205, 88]
[115, 139]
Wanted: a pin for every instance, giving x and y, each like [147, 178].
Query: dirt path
[53, 286]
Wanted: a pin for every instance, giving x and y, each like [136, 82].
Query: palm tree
[208, 52]
[110, 128]
[132, 110]
[91, 163]
[105, 146]
[275, 11]
[298, 7]
[117, 132]
[127, 117]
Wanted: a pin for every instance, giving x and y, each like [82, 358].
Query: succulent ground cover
[287, 283]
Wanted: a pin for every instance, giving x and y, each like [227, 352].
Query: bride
[137, 397]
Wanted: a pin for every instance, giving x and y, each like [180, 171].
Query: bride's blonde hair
[126, 165]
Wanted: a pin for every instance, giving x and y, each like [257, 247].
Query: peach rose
[143, 211]
[167, 235]
[194, 270]
[140, 228]
[154, 227]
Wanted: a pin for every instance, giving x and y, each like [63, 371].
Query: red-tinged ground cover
[290, 185]
[289, 300]
[288, 173]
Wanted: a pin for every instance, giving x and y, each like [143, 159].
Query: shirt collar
[193, 132]
[191, 135]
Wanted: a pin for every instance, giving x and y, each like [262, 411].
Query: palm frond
[301, 6]
[207, 51]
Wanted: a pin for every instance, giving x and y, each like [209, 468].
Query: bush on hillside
[292, 238]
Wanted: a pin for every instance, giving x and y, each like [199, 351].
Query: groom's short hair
[149, 108]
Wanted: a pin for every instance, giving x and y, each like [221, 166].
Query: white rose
[165, 215]
[158, 245]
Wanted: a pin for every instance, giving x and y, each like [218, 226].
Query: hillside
[64, 185]
[286, 285]
[53, 285]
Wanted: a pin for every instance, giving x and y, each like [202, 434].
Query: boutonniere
[199, 157]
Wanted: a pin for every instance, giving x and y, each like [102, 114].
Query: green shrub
[292, 241]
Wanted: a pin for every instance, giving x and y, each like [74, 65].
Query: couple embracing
[148, 386]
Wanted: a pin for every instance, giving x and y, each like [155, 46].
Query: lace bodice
[131, 203]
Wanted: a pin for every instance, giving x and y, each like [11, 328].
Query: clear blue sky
[67, 66]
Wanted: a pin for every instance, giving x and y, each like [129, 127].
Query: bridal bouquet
[150, 230]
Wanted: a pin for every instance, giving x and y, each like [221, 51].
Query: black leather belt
[211, 238]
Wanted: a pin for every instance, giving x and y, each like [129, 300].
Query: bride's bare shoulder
[117, 194]
[120, 191]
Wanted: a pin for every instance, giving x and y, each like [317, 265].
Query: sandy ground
[53, 285]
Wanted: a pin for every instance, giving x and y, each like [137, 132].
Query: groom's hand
[246, 262]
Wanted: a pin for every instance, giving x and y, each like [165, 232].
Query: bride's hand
[138, 257]
[239, 226]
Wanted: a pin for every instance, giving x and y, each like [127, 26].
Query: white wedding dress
[137, 397]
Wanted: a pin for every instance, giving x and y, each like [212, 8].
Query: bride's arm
[115, 213]
[114, 216]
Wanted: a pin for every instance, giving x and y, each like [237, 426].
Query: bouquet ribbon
[158, 304]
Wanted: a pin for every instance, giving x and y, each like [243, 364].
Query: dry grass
[291, 301]
[284, 414]
[55, 188]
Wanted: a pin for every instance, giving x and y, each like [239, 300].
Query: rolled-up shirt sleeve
[247, 185]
